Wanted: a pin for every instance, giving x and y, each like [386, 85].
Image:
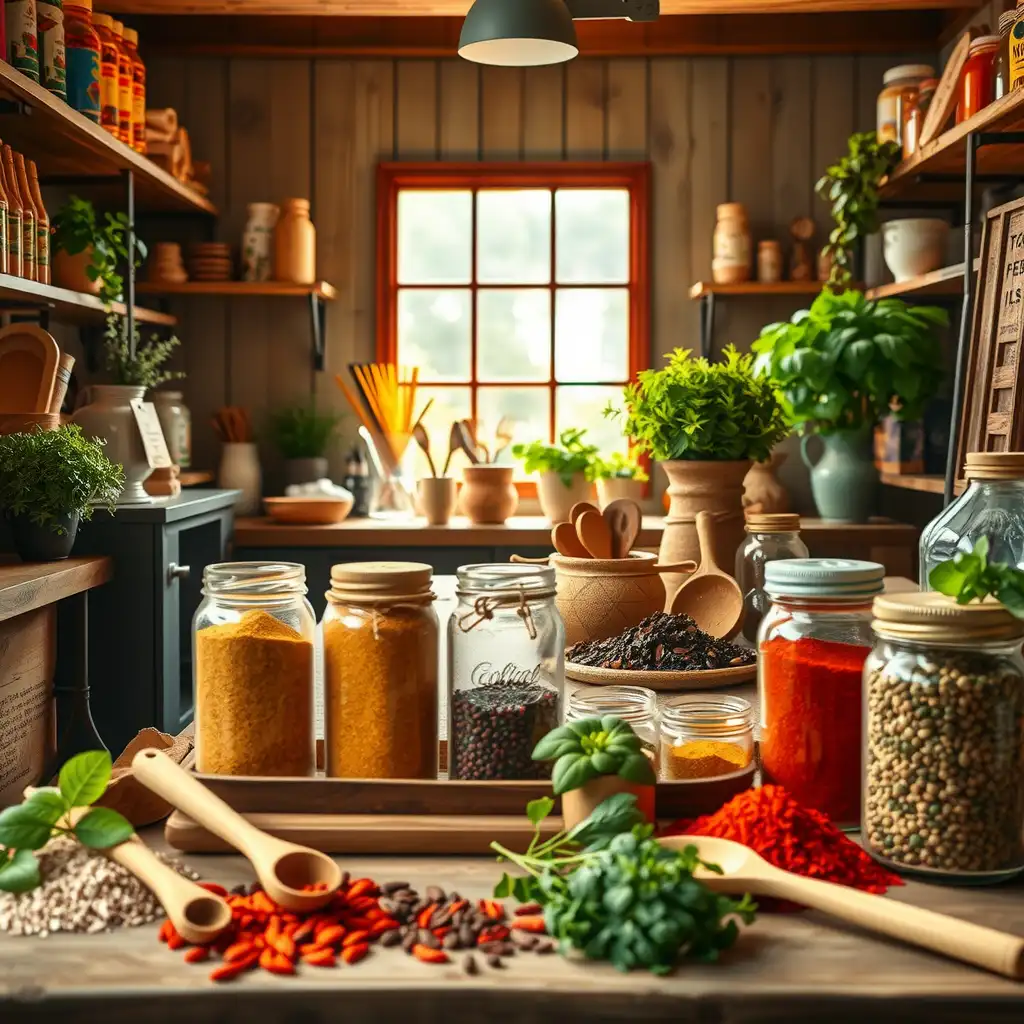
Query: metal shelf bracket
[318, 328]
[707, 323]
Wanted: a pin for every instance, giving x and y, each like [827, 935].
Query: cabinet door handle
[178, 572]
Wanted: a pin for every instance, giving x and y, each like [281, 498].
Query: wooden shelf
[702, 288]
[195, 477]
[68, 306]
[944, 281]
[321, 289]
[927, 482]
[64, 144]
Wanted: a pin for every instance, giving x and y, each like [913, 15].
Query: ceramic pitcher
[108, 415]
[844, 481]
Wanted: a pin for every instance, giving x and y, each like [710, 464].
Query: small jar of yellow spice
[706, 737]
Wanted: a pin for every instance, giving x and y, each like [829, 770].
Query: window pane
[582, 406]
[513, 334]
[435, 237]
[591, 334]
[449, 404]
[513, 236]
[592, 235]
[528, 407]
[434, 332]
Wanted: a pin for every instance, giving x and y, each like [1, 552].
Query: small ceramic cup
[436, 496]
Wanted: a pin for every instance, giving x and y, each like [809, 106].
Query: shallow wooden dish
[313, 511]
[708, 679]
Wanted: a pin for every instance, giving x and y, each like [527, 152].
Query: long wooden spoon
[745, 871]
[419, 432]
[623, 518]
[454, 445]
[283, 868]
[594, 534]
[567, 541]
[711, 597]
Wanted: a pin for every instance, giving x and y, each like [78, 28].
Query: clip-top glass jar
[380, 672]
[252, 657]
[706, 736]
[992, 506]
[633, 704]
[770, 536]
[506, 671]
[944, 738]
[811, 651]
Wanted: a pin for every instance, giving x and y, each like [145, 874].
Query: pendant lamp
[518, 33]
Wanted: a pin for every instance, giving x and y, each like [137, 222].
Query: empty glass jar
[633, 704]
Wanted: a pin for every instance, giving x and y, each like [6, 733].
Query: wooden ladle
[283, 868]
[745, 871]
[711, 597]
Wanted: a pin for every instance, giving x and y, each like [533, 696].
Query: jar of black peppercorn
[506, 673]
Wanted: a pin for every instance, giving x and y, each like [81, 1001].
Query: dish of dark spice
[664, 649]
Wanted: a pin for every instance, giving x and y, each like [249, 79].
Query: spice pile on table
[661, 643]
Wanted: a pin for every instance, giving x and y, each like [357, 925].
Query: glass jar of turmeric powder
[252, 657]
[706, 736]
[633, 704]
[380, 672]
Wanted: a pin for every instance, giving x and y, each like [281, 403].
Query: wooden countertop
[527, 531]
[794, 967]
[27, 586]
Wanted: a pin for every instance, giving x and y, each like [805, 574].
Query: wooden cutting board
[28, 368]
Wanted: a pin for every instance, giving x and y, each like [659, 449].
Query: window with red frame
[518, 290]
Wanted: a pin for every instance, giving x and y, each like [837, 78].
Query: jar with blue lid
[812, 646]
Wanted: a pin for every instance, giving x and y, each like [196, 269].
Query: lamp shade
[518, 33]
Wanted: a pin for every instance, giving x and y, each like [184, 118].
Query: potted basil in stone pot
[49, 481]
[302, 435]
[565, 472]
[840, 366]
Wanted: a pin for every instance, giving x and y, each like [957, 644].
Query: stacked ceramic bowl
[210, 261]
[165, 266]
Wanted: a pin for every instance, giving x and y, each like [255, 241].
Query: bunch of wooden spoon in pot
[591, 533]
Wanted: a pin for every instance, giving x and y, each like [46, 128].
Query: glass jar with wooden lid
[380, 672]
[992, 506]
[899, 89]
[944, 738]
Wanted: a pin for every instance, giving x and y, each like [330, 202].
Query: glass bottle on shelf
[14, 214]
[29, 237]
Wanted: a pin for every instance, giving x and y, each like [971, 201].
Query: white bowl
[914, 245]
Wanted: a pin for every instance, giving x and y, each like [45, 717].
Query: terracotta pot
[579, 804]
[556, 499]
[619, 487]
[69, 271]
[22, 422]
[109, 415]
[762, 487]
[436, 497]
[701, 487]
[488, 494]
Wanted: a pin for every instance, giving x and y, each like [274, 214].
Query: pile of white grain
[82, 891]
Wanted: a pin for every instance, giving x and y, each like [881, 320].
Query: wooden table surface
[25, 586]
[788, 967]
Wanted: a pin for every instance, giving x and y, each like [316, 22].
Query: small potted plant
[302, 435]
[841, 366]
[595, 758]
[619, 476]
[49, 481]
[565, 471]
[88, 252]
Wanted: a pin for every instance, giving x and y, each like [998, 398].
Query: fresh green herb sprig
[970, 576]
[591, 747]
[46, 813]
[611, 891]
[145, 368]
[620, 467]
[300, 432]
[567, 458]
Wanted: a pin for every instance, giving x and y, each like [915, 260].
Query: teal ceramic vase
[844, 480]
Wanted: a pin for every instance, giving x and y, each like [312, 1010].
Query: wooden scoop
[567, 541]
[745, 871]
[594, 534]
[579, 508]
[711, 597]
[623, 518]
[283, 868]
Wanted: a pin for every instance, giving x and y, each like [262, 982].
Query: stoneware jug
[488, 494]
[844, 481]
[556, 499]
[108, 414]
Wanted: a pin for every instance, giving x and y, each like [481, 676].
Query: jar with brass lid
[992, 506]
[769, 537]
[944, 739]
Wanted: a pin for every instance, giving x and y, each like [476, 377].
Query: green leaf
[946, 578]
[551, 746]
[605, 762]
[103, 827]
[52, 806]
[537, 810]
[572, 771]
[637, 768]
[26, 826]
[618, 899]
[504, 887]
[20, 873]
[84, 778]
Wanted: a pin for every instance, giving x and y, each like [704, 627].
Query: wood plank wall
[756, 130]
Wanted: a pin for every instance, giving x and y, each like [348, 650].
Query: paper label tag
[152, 434]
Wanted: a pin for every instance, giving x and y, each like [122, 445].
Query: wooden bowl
[312, 511]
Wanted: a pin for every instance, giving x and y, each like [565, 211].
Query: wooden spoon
[466, 442]
[579, 508]
[454, 445]
[711, 597]
[594, 534]
[419, 432]
[567, 541]
[283, 868]
[745, 871]
[623, 518]
[503, 436]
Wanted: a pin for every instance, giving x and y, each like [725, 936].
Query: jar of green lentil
[944, 739]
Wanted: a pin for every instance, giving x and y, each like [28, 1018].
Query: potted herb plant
[88, 251]
[706, 423]
[302, 435]
[619, 476]
[565, 471]
[49, 481]
[840, 366]
[109, 414]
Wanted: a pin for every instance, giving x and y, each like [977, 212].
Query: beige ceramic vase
[109, 415]
[556, 499]
[615, 487]
[295, 243]
[762, 487]
[436, 497]
[694, 487]
[488, 494]
[579, 804]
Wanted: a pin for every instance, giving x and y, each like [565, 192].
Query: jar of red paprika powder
[812, 645]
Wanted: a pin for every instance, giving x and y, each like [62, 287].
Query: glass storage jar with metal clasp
[633, 704]
[506, 671]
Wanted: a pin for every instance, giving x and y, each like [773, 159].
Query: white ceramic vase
[108, 415]
[258, 242]
[240, 471]
[914, 245]
[556, 499]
